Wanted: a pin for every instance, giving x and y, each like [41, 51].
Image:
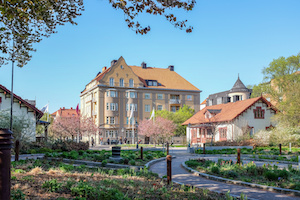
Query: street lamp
[137, 141]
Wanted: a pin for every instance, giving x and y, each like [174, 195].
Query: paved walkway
[181, 175]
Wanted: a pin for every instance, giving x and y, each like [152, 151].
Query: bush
[52, 185]
[231, 174]
[104, 163]
[126, 161]
[215, 170]
[70, 145]
[17, 195]
[132, 162]
[272, 176]
[192, 163]
[283, 174]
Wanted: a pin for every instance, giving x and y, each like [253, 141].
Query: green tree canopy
[25, 22]
[178, 117]
[281, 83]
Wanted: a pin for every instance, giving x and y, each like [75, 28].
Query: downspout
[232, 131]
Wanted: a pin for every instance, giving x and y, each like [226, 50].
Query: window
[219, 100]
[159, 107]
[149, 83]
[160, 96]
[113, 94]
[154, 83]
[111, 82]
[130, 106]
[107, 106]
[147, 108]
[113, 106]
[112, 120]
[107, 120]
[223, 133]
[189, 97]
[131, 121]
[174, 108]
[147, 96]
[259, 113]
[131, 83]
[121, 82]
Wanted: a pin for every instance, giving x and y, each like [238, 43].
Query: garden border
[152, 162]
[221, 179]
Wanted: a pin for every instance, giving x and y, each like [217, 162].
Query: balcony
[174, 101]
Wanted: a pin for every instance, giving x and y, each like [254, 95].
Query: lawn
[129, 156]
[43, 179]
[265, 175]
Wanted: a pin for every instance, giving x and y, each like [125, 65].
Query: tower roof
[239, 86]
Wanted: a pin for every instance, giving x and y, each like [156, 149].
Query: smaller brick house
[228, 122]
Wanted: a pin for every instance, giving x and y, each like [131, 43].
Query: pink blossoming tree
[161, 129]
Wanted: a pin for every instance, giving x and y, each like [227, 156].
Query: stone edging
[152, 162]
[264, 187]
[269, 160]
[96, 164]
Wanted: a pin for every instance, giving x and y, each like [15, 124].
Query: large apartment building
[114, 92]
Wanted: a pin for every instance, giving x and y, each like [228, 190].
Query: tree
[23, 128]
[27, 22]
[71, 127]
[281, 83]
[180, 116]
[161, 129]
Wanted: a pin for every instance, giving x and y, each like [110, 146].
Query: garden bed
[256, 151]
[265, 175]
[42, 179]
[130, 157]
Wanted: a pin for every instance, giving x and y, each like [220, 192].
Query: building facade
[238, 92]
[122, 90]
[229, 122]
[22, 108]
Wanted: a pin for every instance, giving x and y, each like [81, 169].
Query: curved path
[181, 175]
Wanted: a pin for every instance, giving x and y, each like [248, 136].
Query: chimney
[113, 62]
[71, 108]
[171, 67]
[104, 68]
[63, 108]
[144, 65]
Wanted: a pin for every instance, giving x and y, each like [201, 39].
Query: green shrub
[215, 169]
[52, 185]
[104, 163]
[270, 175]
[231, 174]
[17, 194]
[283, 174]
[192, 163]
[126, 161]
[132, 162]
[66, 168]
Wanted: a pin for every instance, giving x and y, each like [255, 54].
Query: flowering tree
[160, 129]
[70, 127]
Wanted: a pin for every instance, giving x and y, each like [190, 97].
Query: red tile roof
[39, 113]
[65, 112]
[229, 111]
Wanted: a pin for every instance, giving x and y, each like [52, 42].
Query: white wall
[23, 111]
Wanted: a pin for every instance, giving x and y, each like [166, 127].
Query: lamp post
[122, 137]
[189, 134]
[12, 86]
[137, 137]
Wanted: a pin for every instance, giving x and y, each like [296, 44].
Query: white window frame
[131, 82]
[111, 82]
[147, 96]
[147, 108]
[189, 98]
[160, 96]
[121, 83]
[159, 107]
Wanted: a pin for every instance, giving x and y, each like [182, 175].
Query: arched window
[131, 83]
[111, 82]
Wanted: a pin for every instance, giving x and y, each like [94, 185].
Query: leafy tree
[180, 116]
[27, 22]
[281, 83]
[23, 127]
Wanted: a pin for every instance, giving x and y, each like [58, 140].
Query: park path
[179, 174]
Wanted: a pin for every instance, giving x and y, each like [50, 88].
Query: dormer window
[152, 83]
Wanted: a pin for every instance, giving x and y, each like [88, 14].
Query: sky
[230, 37]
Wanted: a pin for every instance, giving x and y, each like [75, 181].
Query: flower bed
[256, 151]
[265, 175]
[41, 179]
[129, 157]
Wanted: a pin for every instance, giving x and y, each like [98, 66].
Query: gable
[121, 70]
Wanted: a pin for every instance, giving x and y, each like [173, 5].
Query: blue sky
[229, 37]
